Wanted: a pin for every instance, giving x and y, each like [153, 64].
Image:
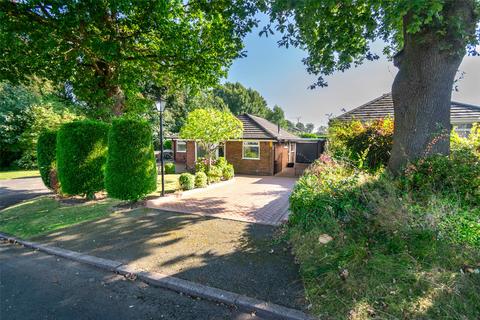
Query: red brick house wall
[178, 156]
[263, 166]
[190, 156]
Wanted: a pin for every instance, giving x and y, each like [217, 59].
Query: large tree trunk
[422, 89]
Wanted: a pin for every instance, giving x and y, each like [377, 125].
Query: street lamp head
[160, 104]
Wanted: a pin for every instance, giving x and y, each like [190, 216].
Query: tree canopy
[426, 39]
[107, 50]
[242, 100]
[210, 127]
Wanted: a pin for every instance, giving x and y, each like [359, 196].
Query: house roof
[259, 128]
[382, 107]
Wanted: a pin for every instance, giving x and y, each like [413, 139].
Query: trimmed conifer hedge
[46, 156]
[131, 171]
[81, 157]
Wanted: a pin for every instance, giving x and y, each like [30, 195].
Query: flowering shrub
[219, 169]
[366, 145]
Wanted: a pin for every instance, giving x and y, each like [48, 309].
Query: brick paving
[249, 198]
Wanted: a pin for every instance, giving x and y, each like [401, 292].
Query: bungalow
[264, 149]
[462, 116]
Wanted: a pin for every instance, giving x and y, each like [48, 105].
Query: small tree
[210, 127]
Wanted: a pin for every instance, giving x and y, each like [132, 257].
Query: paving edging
[261, 308]
[178, 195]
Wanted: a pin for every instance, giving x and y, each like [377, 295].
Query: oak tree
[426, 39]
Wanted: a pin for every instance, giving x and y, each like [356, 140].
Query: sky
[280, 76]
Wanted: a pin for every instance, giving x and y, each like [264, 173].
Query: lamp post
[160, 105]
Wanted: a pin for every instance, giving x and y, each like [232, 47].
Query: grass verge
[15, 174]
[45, 214]
[171, 184]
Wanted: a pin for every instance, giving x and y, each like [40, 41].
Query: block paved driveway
[248, 198]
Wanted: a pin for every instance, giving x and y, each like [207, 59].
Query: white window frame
[182, 142]
[250, 143]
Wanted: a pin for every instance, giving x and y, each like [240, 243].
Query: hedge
[81, 156]
[46, 157]
[201, 180]
[131, 171]
[169, 168]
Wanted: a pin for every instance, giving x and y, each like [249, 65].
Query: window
[463, 129]
[181, 146]
[219, 152]
[251, 150]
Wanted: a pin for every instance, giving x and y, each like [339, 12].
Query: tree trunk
[422, 89]
[118, 98]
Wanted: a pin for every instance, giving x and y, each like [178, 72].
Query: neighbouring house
[265, 149]
[462, 115]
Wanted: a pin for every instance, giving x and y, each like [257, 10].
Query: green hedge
[81, 155]
[46, 156]
[131, 171]
[186, 181]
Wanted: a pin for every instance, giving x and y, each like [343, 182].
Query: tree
[429, 39]
[300, 126]
[277, 115]
[25, 111]
[242, 100]
[309, 127]
[107, 50]
[209, 127]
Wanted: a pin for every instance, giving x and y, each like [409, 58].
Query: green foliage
[214, 174]
[309, 135]
[362, 238]
[131, 170]
[81, 157]
[366, 145]
[169, 168]
[356, 25]
[457, 175]
[472, 142]
[186, 181]
[46, 155]
[108, 50]
[167, 144]
[24, 112]
[210, 127]
[200, 180]
[241, 100]
[228, 172]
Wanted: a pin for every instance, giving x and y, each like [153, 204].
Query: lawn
[45, 214]
[171, 184]
[15, 174]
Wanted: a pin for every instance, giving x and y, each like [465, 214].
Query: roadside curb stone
[261, 308]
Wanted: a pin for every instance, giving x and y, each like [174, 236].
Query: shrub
[228, 172]
[456, 175]
[81, 156]
[214, 174]
[46, 155]
[131, 171]
[201, 165]
[186, 181]
[365, 145]
[169, 168]
[200, 180]
[167, 144]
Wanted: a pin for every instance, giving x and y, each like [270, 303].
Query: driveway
[248, 198]
[15, 190]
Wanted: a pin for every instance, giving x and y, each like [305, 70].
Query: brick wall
[178, 156]
[264, 166]
[190, 156]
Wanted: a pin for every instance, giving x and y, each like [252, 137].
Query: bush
[228, 172]
[81, 156]
[169, 168]
[167, 144]
[186, 181]
[214, 174]
[456, 175]
[200, 180]
[370, 237]
[366, 145]
[131, 171]
[46, 155]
